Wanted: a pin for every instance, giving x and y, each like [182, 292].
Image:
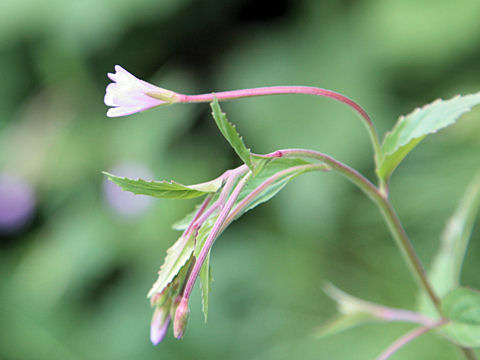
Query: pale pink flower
[128, 94]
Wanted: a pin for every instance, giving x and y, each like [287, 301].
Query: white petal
[122, 111]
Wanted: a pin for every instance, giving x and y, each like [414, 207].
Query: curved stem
[251, 196]
[282, 90]
[386, 209]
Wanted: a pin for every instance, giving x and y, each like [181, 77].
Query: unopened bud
[158, 299]
[159, 325]
[181, 318]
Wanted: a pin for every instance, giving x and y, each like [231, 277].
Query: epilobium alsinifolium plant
[451, 310]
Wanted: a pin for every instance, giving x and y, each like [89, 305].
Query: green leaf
[176, 257]
[230, 133]
[462, 307]
[412, 128]
[165, 189]
[447, 264]
[205, 282]
[202, 236]
[270, 169]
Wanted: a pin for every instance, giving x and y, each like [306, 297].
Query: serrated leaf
[268, 169]
[230, 134]
[412, 128]
[177, 256]
[462, 307]
[164, 189]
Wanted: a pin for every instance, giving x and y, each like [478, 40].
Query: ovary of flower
[128, 94]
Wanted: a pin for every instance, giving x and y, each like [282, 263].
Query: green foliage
[165, 189]
[230, 133]
[176, 258]
[445, 272]
[60, 139]
[205, 279]
[462, 307]
[276, 166]
[270, 168]
[412, 128]
[205, 283]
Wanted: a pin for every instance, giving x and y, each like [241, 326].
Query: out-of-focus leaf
[447, 264]
[176, 257]
[231, 135]
[462, 307]
[343, 322]
[412, 128]
[353, 312]
[165, 189]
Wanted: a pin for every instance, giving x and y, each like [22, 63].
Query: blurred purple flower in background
[17, 202]
[122, 202]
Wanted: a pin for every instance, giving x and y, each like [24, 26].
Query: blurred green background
[77, 258]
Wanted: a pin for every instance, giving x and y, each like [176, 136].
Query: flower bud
[181, 318]
[159, 326]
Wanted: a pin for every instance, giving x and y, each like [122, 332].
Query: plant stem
[406, 247]
[405, 339]
[469, 353]
[217, 227]
[380, 198]
[386, 209]
[282, 90]
[251, 196]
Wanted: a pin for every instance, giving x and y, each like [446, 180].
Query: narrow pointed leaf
[164, 189]
[447, 264]
[205, 281]
[231, 135]
[202, 236]
[412, 128]
[342, 322]
[176, 257]
[462, 307]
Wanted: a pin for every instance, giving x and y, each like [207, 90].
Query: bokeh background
[77, 257]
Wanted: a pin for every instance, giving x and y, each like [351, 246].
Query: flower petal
[129, 94]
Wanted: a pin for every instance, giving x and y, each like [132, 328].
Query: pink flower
[128, 94]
